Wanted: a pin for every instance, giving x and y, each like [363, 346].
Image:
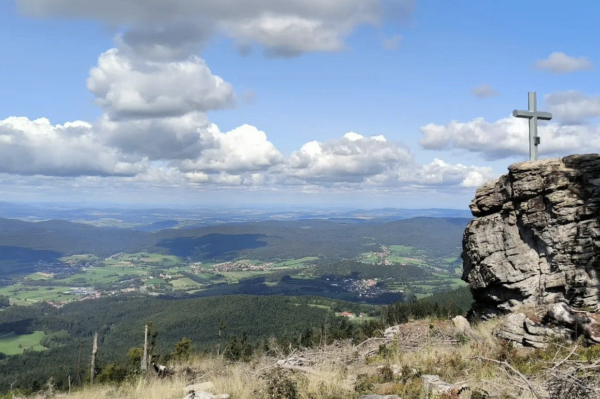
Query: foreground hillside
[245, 324]
[470, 363]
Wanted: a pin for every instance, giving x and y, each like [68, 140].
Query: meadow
[12, 344]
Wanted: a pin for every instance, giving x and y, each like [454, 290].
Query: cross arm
[545, 116]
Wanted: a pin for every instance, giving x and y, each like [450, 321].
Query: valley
[399, 269]
[62, 281]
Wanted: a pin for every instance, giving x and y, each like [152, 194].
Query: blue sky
[369, 102]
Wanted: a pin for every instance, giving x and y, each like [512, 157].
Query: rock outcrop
[536, 238]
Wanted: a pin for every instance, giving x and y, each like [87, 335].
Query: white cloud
[361, 162]
[243, 149]
[573, 106]
[289, 35]
[484, 91]
[353, 158]
[29, 147]
[284, 27]
[127, 87]
[167, 138]
[439, 172]
[508, 137]
[559, 62]
[243, 157]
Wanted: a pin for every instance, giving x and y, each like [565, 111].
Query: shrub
[281, 386]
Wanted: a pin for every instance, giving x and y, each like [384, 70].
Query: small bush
[363, 384]
[386, 374]
[384, 351]
[506, 351]
[281, 386]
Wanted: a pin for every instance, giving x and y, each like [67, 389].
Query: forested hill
[67, 238]
[119, 322]
[259, 240]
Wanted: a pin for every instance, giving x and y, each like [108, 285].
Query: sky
[366, 103]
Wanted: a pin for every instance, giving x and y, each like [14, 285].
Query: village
[242, 266]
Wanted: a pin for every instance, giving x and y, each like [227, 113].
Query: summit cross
[533, 115]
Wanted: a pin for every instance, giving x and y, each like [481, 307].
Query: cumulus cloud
[484, 91]
[288, 35]
[573, 106]
[244, 149]
[129, 87]
[30, 147]
[154, 131]
[358, 161]
[559, 62]
[508, 137]
[352, 158]
[441, 173]
[284, 27]
[168, 138]
[155, 156]
[165, 42]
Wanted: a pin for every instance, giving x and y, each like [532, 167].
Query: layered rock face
[536, 236]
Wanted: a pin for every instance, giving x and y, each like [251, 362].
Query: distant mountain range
[154, 219]
[265, 240]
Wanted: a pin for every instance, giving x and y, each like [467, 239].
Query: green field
[184, 282]
[12, 344]
[451, 259]
[237, 276]
[26, 295]
[156, 282]
[79, 258]
[398, 254]
[144, 258]
[39, 276]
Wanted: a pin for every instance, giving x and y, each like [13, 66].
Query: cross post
[533, 115]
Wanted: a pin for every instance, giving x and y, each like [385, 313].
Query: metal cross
[533, 115]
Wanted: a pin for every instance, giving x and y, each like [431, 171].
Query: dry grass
[477, 361]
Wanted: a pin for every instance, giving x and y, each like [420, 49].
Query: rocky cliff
[535, 239]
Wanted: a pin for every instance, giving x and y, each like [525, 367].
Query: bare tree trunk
[79, 365]
[94, 350]
[69, 384]
[144, 365]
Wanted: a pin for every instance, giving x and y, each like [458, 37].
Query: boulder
[205, 395]
[535, 239]
[462, 325]
[297, 361]
[433, 385]
[199, 391]
[201, 386]
[391, 332]
[513, 328]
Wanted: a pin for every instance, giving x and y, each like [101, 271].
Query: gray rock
[198, 391]
[201, 386]
[513, 328]
[432, 385]
[536, 237]
[298, 361]
[461, 324]
[391, 332]
[205, 395]
[380, 397]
